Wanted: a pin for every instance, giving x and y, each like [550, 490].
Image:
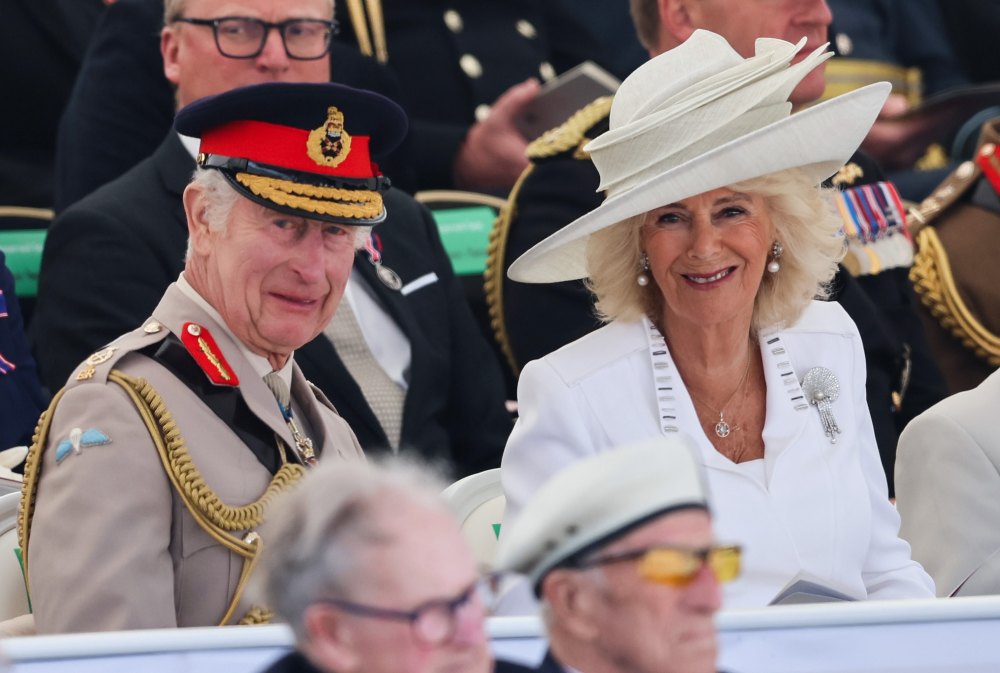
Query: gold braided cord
[198, 496]
[935, 285]
[205, 506]
[496, 252]
[357, 204]
[377, 21]
[357, 13]
[32, 473]
[570, 133]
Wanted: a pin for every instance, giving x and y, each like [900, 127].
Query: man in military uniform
[467, 69]
[561, 184]
[412, 373]
[155, 463]
[955, 229]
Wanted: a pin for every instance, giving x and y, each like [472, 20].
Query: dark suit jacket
[122, 105]
[109, 258]
[21, 398]
[541, 318]
[42, 44]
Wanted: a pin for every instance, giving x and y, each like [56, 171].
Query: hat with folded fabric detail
[598, 500]
[303, 149]
[700, 117]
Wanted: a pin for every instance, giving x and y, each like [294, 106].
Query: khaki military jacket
[113, 541]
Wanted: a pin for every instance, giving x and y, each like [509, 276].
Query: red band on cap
[283, 146]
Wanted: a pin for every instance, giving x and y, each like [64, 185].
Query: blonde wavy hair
[805, 222]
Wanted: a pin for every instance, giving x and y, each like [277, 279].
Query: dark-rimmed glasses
[434, 622]
[244, 36]
[676, 566]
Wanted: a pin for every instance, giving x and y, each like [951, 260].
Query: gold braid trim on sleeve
[496, 252]
[934, 284]
[572, 132]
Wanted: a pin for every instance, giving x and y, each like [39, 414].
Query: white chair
[478, 501]
[13, 599]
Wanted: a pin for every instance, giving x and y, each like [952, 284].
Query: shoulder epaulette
[944, 195]
[573, 133]
[99, 364]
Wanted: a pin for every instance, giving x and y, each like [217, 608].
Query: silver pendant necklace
[722, 428]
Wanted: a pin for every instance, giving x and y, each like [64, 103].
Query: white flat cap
[599, 499]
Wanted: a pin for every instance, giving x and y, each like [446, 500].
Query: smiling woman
[706, 260]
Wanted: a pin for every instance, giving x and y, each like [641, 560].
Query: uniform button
[964, 170]
[470, 66]
[482, 112]
[453, 20]
[546, 71]
[844, 44]
[152, 327]
[194, 330]
[526, 29]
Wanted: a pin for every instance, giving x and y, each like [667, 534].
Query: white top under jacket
[809, 507]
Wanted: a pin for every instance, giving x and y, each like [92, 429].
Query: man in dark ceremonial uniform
[956, 229]
[560, 185]
[467, 69]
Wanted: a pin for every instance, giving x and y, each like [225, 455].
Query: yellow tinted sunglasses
[678, 566]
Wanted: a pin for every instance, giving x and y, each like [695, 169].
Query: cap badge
[329, 144]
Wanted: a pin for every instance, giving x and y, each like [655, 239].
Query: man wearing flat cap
[619, 548]
[153, 466]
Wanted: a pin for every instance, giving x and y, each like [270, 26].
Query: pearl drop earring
[643, 277]
[774, 266]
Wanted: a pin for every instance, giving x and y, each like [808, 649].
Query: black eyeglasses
[677, 566]
[434, 622]
[244, 36]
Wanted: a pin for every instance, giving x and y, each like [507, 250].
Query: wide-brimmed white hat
[597, 500]
[700, 117]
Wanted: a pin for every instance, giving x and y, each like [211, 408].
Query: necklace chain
[722, 428]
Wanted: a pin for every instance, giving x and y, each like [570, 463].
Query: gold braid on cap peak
[334, 201]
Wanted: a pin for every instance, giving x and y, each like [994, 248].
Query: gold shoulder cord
[366, 38]
[496, 252]
[215, 517]
[572, 132]
[934, 284]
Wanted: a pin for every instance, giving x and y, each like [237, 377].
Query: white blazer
[810, 506]
[948, 490]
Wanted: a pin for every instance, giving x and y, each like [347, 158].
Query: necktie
[384, 396]
[303, 444]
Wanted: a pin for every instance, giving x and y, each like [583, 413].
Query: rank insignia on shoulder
[80, 439]
[848, 175]
[90, 364]
[988, 159]
[206, 353]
